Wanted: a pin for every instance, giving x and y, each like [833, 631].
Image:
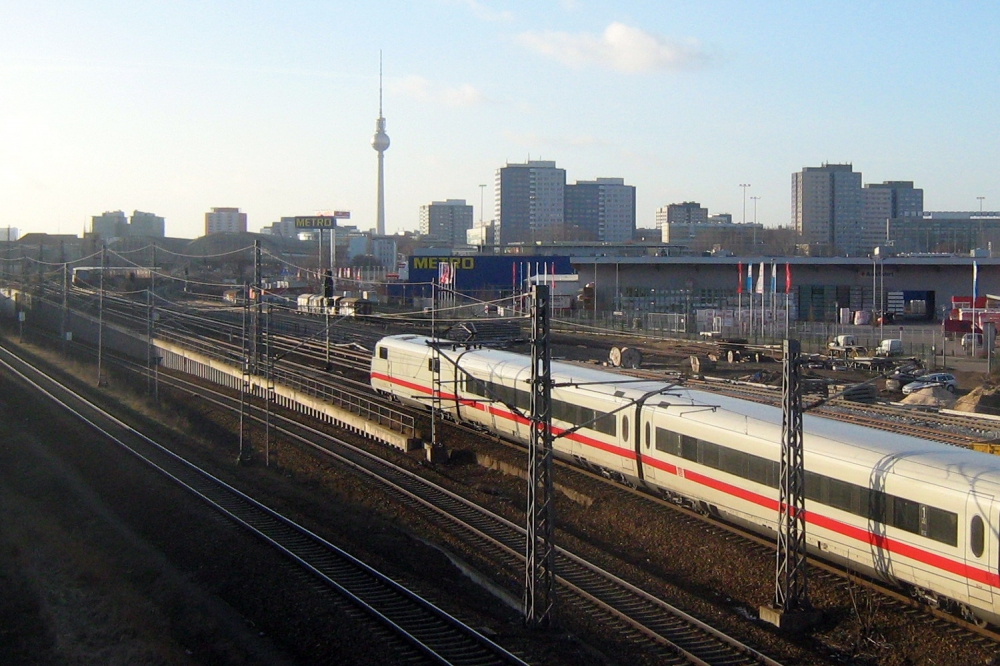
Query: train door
[644, 444]
[627, 436]
[981, 547]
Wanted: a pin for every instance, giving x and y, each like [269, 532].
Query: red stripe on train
[861, 535]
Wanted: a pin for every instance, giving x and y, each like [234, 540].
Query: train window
[763, 471]
[647, 434]
[475, 386]
[523, 399]
[939, 525]
[625, 429]
[709, 454]
[560, 411]
[905, 514]
[689, 448]
[977, 536]
[734, 462]
[383, 352]
[876, 506]
[840, 496]
[814, 486]
[667, 441]
[606, 424]
[434, 364]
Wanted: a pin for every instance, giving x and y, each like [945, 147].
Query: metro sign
[321, 221]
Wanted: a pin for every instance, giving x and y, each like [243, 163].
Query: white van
[970, 339]
[890, 347]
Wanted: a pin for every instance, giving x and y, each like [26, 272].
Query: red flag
[739, 285]
[788, 278]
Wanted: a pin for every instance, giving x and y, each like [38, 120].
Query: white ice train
[917, 513]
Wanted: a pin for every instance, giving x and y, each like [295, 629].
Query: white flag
[760, 279]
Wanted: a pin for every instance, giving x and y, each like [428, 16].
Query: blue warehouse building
[911, 287]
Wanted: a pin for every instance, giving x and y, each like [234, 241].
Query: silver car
[943, 379]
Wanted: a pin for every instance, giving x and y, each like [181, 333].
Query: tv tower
[380, 142]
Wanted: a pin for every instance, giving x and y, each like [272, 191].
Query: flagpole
[739, 294]
[975, 289]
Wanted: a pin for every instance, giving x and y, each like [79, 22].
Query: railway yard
[106, 561]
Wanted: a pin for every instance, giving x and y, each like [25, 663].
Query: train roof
[889, 451]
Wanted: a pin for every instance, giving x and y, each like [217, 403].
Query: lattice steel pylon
[790, 592]
[246, 384]
[257, 347]
[539, 579]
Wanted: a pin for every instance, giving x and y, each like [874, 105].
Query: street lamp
[754, 199]
[879, 261]
[744, 186]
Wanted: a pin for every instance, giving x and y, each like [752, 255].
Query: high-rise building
[446, 222]
[146, 224]
[530, 201]
[109, 225]
[225, 220]
[384, 250]
[826, 209]
[689, 212]
[284, 228]
[599, 210]
[887, 201]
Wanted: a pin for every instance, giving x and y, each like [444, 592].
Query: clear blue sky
[174, 107]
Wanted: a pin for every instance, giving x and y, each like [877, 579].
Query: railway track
[880, 416]
[951, 429]
[424, 633]
[671, 634]
[744, 540]
[957, 421]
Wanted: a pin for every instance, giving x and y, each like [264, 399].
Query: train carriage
[914, 512]
[341, 306]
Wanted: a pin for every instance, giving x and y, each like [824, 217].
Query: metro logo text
[457, 263]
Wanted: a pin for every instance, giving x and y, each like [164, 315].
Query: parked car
[897, 380]
[943, 379]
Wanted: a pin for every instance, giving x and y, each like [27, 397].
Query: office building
[283, 228]
[826, 210]
[530, 202]
[109, 225]
[225, 220]
[600, 210]
[943, 232]
[146, 224]
[446, 222]
[887, 201]
[689, 212]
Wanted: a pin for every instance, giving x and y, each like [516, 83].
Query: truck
[845, 346]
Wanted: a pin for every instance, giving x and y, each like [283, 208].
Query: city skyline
[180, 109]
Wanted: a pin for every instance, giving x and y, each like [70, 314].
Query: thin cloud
[553, 141]
[423, 90]
[620, 47]
[483, 11]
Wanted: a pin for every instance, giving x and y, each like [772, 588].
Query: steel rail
[679, 633]
[431, 632]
